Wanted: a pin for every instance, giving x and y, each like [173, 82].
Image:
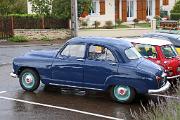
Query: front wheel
[29, 80]
[123, 94]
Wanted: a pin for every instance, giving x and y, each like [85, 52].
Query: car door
[68, 66]
[99, 65]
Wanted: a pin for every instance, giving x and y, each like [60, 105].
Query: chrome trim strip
[13, 75]
[75, 86]
[162, 89]
[173, 77]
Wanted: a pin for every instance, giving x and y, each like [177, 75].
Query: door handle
[81, 60]
[113, 64]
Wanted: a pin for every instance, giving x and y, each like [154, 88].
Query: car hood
[42, 53]
[149, 67]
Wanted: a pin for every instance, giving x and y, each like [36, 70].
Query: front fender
[138, 84]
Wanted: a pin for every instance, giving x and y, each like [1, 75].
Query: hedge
[175, 16]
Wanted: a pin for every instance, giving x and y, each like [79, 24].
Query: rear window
[132, 53]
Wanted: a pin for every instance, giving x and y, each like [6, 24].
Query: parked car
[161, 52]
[174, 38]
[93, 63]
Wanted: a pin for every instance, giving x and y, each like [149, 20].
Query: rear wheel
[123, 94]
[29, 80]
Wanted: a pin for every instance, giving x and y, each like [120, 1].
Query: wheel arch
[25, 67]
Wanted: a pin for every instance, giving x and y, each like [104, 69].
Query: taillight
[158, 78]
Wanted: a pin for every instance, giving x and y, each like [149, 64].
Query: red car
[161, 52]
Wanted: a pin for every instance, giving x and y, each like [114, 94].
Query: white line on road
[1, 92]
[166, 96]
[62, 108]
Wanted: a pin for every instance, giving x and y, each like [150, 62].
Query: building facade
[126, 10]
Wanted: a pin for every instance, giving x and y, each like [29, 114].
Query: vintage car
[161, 52]
[93, 63]
[172, 37]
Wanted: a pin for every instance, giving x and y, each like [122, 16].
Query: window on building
[149, 7]
[130, 8]
[95, 8]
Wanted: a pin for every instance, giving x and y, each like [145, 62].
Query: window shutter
[157, 7]
[165, 2]
[124, 10]
[141, 9]
[102, 7]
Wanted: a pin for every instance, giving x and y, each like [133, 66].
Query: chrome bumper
[160, 90]
[173, 77]
[13, 75]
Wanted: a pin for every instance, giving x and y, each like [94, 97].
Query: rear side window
[132, 53]
[147, 51]
[97, 52]
[74, 51]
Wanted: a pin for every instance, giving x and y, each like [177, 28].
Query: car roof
[175, 36]
[102, 40]
[149, 41]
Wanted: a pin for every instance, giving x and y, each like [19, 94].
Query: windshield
[132, 53]
[169, 51]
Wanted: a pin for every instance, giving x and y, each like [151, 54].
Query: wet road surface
[55, 103]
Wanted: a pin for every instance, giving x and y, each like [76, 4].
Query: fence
[7, 24]
[6, 27]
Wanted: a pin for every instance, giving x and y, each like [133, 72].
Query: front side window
[132, 53]
[74, 51]
[169, 51]
[97, 52]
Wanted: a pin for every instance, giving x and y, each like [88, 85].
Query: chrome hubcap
[121, 91]
[28, 79]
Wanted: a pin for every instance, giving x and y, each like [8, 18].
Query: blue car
[93, 63]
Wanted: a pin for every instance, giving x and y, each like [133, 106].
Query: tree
[41, 7]
[176, 8]
[13, 7]
[62, 8]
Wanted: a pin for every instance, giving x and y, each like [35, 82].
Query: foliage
[119, 22]
[176, 8]
[84, 23]
[45, 38]
[13, 7]
[175, 16]
[18, 39]
[97, 24]
[135, 20]
[62, 8]
[41, 7]
[175, 13]
[108, 25]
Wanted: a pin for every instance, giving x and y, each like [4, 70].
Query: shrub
[84, 23]
[18, 39]
[97, 24]
[135, 20]
[108, 24]
[45, 38]
[158, 18]
[148, 20]
[119, 22]
[175, 16]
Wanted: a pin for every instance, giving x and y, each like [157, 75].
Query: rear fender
[137, 84]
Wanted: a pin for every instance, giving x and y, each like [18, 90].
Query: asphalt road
[56, 103]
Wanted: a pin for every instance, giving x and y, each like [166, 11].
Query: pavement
[130, 32]
[55, 103]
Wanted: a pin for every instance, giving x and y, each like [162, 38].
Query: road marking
[166, 96]
[3, 92]
[62, 108]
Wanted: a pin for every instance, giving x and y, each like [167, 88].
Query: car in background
[161, 52]
[92, 63]
[174, 38]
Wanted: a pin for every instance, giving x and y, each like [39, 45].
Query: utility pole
[74, 18]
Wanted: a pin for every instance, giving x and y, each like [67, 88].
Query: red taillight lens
[158, 78]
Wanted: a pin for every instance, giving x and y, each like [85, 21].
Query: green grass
[45, 38]
[122, 26]
[143, 25]
[18, 39]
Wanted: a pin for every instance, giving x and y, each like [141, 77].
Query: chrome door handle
[81, 60]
